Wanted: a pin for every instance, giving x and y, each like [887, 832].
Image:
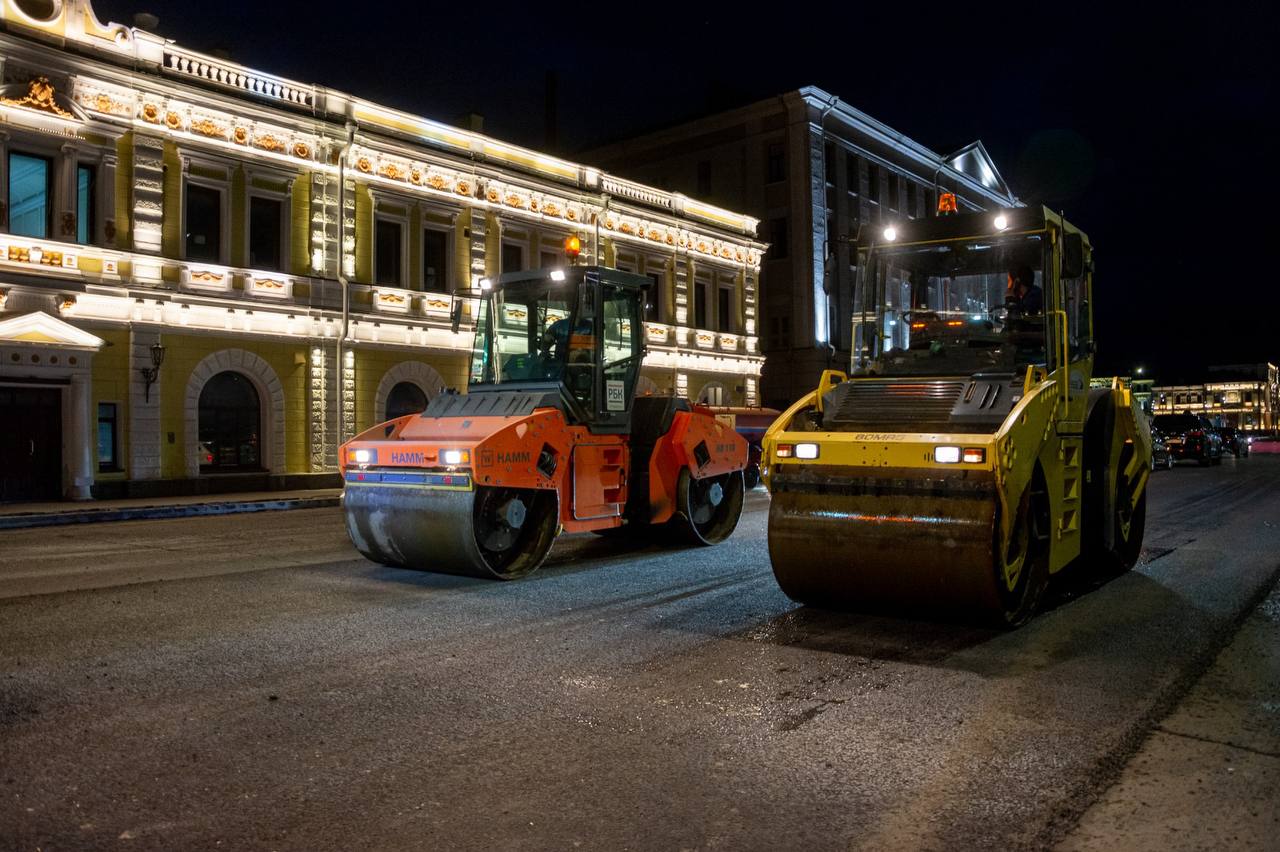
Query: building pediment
[42, 329]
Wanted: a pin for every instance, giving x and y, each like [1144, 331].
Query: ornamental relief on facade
[178, 117]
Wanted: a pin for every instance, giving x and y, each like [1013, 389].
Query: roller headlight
[946, 455]
[363, 456]
[456, 457]
[806, 451]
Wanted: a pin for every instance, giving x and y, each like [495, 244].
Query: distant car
[205, 454]
[1161, 458]
[1189, 436]
[1234, 441]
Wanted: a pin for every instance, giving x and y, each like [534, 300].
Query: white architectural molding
[425, 377]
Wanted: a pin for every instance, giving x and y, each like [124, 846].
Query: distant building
[1246, 396]
[815, 171]
[177, 231]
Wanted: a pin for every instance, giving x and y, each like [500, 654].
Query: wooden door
[30, 443]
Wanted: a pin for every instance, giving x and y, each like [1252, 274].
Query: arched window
[405, 398]
[230, 425]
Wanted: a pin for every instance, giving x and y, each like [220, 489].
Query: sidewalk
[1209, 775]
[27, 515]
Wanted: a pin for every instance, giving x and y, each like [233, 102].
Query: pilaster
[148, 193]
[144, 413]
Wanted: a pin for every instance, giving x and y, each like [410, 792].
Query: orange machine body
[589, 472]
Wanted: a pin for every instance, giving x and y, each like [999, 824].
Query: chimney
[472, 121]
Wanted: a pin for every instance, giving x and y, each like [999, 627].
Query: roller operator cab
[964, 459]
[550, 436]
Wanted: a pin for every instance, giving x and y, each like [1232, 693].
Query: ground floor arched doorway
[230, 424]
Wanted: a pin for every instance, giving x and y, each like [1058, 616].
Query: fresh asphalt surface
[250, 682]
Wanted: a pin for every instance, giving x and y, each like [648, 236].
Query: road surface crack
[1211, 741]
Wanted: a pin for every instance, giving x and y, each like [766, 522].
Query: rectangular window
[86, 184]
[704, 178]
[204, 223]
[108, 440]
[551, 260]
[895, 190]
[29, 207]
[265, 218]
[775, 163]
[851, 173]
[724, 313]
[778, 238]
[435, 254]
[829, 163]
[913, 198]
[873, 182]
[700, 305]
[654, 311]
[512, 257]
[387, 259]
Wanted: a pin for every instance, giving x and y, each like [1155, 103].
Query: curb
[152, 513]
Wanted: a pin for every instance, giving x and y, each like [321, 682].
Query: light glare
[1001, 222]
[946, 455]
[890, 234]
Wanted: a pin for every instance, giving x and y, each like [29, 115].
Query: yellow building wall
[300, 225]
[492, 245]
[239, 215]
[364, 233]
[171, 227]
[412, 277]
[372, 364]
[111, 384]
[184, 352]
[462, 252]
[124, 191]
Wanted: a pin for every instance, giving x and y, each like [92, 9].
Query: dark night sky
[1156, 135]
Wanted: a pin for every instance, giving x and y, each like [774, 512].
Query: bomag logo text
[406, 458]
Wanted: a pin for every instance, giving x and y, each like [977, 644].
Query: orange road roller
[549, 437]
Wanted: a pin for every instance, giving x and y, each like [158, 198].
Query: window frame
[91, 218]
[402, 249]
[727, 324]
[515, 243]
[114, 466]
[780, 146]
[223, 188]
[35, 152]
[252, 192]
[446, 273]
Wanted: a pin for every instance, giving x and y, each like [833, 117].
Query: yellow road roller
[964, 459]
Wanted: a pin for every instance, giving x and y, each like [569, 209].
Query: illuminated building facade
[177, 233]
[1245, 396]
[814, 170]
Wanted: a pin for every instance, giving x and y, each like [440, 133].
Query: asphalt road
[248, 682]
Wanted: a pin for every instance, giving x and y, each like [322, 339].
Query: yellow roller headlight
[946, 455]
[806, 451]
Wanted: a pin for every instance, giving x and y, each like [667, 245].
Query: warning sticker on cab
[614, 395]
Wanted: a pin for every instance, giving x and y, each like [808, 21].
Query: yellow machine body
[868, 513]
